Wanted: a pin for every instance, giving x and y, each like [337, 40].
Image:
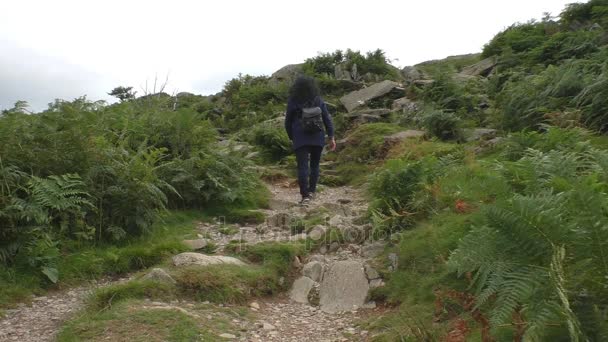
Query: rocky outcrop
[189, 258]
[481, 68]
[359, 98]
[344, 287]
[287, 74]
[411, 74]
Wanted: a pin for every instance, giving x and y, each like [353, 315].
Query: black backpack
[311, 118]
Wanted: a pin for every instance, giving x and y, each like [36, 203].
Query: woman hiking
[306, 122]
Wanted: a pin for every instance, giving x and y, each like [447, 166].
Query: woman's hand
[332, 144]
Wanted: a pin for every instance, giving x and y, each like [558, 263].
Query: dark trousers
[308, 158]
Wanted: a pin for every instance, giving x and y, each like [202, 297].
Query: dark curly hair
[304, 89]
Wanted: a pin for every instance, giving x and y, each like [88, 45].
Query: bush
[443, 125]
[365, 143]
[273, 141]
[393, 189]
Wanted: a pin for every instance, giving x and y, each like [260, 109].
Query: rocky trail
[325, 302]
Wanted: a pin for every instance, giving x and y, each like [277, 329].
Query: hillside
[467, 200]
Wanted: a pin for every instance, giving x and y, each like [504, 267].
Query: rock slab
[355, 99]
[300, 289]
[344, 287]
[189, 258]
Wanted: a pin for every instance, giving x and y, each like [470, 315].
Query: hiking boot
[305, 200]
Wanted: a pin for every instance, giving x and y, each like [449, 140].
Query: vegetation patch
[134, 320]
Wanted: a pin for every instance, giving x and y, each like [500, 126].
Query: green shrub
[365, 143]
[105, 297]
[443, 125]
[273, 141]
[393, 189]
[527, 251]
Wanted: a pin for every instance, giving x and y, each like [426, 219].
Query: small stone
[376, 283]
[317, 232]
[371, 273]
[254, 305]
[268, 326]
[228, 336]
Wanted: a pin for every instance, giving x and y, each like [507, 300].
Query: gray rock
[159, 275]
[317, 257]
[423, 83]
[313, 270]
[404, 105]
[353, 234]
[317, 232]
[268, 326]
[195, 244]
[300, 289]
[281, 220]
[189, 258]
[481, 68]
[344, 287]
[287, 74]
[228, 336]
[334, 246]
[369, 305]
[380, 112]
[323, 249]
[476, 134]
[373, 249]
[394, 260]
[336, 220]
[400, 136]
[341, 73]
[376, 283]
[371, 273]
[358, 98]
[411, 73]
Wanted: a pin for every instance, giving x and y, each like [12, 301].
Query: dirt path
[276, 319]
[42, 319]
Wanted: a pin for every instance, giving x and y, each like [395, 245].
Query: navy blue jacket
[294, 129]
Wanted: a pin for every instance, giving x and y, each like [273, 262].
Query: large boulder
[287, 74]
[344, 287]
[411, 74]
[481, 68]
[356, 99]
[300, 290]
[190, 258]
[313, 270]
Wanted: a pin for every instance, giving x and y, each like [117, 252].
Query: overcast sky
[65, 49]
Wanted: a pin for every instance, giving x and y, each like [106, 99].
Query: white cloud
[99, 44]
